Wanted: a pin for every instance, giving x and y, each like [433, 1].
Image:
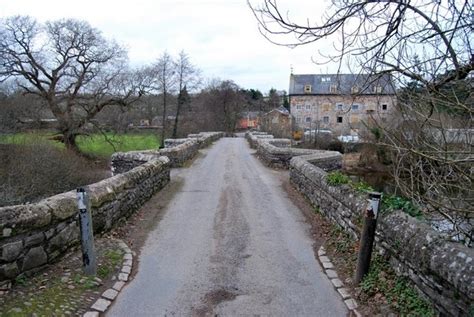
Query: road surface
[231, 243]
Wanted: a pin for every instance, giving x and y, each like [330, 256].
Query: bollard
[87, 233]
[367, 236]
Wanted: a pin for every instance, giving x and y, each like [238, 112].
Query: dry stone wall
[34, 235]
[442, 271]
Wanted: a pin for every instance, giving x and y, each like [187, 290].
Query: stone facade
[341, 114]
[36, 234]
[442, 271]
[277, 122]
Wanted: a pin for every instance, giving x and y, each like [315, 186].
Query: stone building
[342, 103]
[277, 122]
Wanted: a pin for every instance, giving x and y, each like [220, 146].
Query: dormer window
[377, 89]
[354, 90]
[307, 89]
[333, 89]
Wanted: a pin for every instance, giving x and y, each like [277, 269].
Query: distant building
[277, 122]
[248, 120]
[342, 103]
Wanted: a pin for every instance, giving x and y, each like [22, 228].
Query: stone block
[331, 274]
[328, 265]
[64, 237]
[101, 305]
[123, 277]
[351, 304]
[8, 271]
[344, 293]
[118, 286]
[337, 283]
[110, 294]
[34, 258]
[34, 239]
[126, 269]
[63, 206]
[91, 314]
[11, 251]
[6, 232]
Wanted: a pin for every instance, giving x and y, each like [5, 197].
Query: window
[325, 79]
[325, 119]
[307, 88]
[333, 88]
[354, 89]
[377, 89]
[308, 119]
[384, 106]
[298, 107]
[308, 107]
[355, 107]
[339, 119]
[370, 111]
[340, 106]
[298, 119]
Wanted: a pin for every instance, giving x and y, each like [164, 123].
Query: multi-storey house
[342, 103]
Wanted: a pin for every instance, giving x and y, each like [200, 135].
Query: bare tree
[188, 78]
[225, 101]
[427, 48]
[69, 65]
[165, 83]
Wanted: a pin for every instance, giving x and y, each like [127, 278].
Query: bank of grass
[94, 144]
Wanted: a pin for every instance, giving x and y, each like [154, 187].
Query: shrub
[30, 172]
[337, 178]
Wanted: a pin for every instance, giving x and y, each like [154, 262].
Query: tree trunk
[175, 126]
[163, 129]
[69, 140]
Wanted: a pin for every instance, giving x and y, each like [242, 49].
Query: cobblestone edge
[101, 305]
[328, 268]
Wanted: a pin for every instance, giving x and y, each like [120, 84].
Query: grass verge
[94, 144]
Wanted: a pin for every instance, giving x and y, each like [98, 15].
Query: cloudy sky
[220, 36]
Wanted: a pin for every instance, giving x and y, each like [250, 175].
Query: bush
[337, 178]
[30, 172]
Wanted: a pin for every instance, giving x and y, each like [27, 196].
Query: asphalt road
[231, 243]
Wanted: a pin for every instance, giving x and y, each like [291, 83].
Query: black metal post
[368, 236]
[87, 232]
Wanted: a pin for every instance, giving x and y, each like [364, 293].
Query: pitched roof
[320, 84]
[282, 110]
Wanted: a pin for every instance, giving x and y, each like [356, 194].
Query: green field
[94, 144]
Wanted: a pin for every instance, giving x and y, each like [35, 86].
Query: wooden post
[367, 236]
[87, 232]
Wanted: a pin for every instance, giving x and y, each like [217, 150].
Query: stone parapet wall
[277, 156]
[253, 137]
[34, 235]
[177, 150]
[442, 271]
[206, 138]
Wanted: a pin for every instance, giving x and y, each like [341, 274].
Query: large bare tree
[427, 48]
[188, 78]
[69, 65]
[164, 82]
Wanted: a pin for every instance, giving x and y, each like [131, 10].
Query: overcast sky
[220, 36]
